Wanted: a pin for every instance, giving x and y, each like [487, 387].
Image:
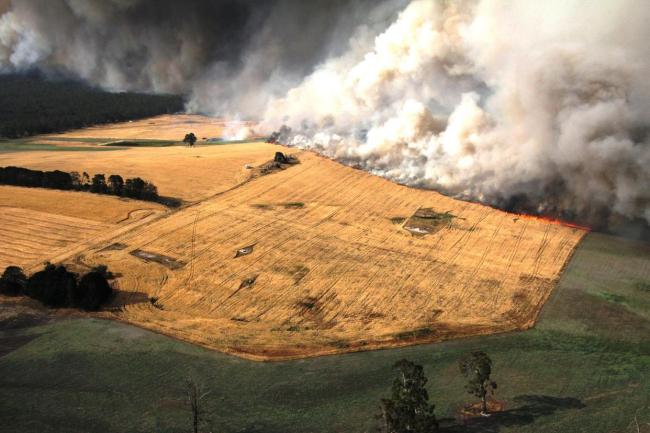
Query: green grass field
[19, 146]
[102, 144]
[584, 368]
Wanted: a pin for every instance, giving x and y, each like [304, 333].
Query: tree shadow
[121, 299]
[530, 408]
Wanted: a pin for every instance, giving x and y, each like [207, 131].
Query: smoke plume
[534, 106]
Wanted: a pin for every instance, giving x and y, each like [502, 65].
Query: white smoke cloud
[541, 106]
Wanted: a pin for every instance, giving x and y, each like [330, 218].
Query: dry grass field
[178, 171]
[316, 259]
[165, 127]
[37, 224]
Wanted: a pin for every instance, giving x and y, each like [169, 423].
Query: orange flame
[550, 220]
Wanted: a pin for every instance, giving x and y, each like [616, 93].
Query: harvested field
[190, 174]
[165, 127]
[82, 205]
[336, 274]
[314, 259]
[39, 224]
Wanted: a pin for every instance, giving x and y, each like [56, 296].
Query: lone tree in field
[477, 367]
[408, 410]
[190, 139]
[195, 394]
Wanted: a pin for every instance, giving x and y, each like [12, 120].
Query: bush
[13, 281]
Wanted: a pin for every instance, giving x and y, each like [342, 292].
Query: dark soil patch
[293, 205]
[247, 283]
[114, 247]
[426, 221]
[166, 261]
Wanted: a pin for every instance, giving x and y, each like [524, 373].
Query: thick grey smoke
[539, 106]
[228, 55]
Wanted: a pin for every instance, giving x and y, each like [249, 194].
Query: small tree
[149, 192]
[98, 184]
[115, 184]
[92, 291]
[190, 139]
[54, 286]
[76, 180]
[408, 410]
[85, 181]
[477, 367]
[133, 187]
[13, 281]
[195, 394]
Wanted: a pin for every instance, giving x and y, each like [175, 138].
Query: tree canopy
[408, 409]
[190, 139]
[477, 367]
[13, 281]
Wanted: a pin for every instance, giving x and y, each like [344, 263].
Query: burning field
[317, 258]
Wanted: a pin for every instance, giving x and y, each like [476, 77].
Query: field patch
[29, 236]
[40, 224]
[87, 206]
[310, 261]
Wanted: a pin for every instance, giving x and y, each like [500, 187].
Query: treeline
[135, 188]
[56, 287]
[30, 104]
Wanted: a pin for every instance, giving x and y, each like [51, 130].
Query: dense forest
[30, 104]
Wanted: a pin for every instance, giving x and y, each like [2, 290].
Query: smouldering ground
[333, 267]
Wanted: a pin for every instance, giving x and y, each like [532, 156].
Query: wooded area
[30, 104]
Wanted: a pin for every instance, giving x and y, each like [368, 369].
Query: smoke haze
[536, 106]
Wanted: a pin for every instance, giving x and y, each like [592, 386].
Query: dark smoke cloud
[224, 47]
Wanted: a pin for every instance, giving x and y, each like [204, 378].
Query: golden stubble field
[37, 224]
[178, 171]
[317, 259]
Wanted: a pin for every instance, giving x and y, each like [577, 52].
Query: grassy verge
[584, 368]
